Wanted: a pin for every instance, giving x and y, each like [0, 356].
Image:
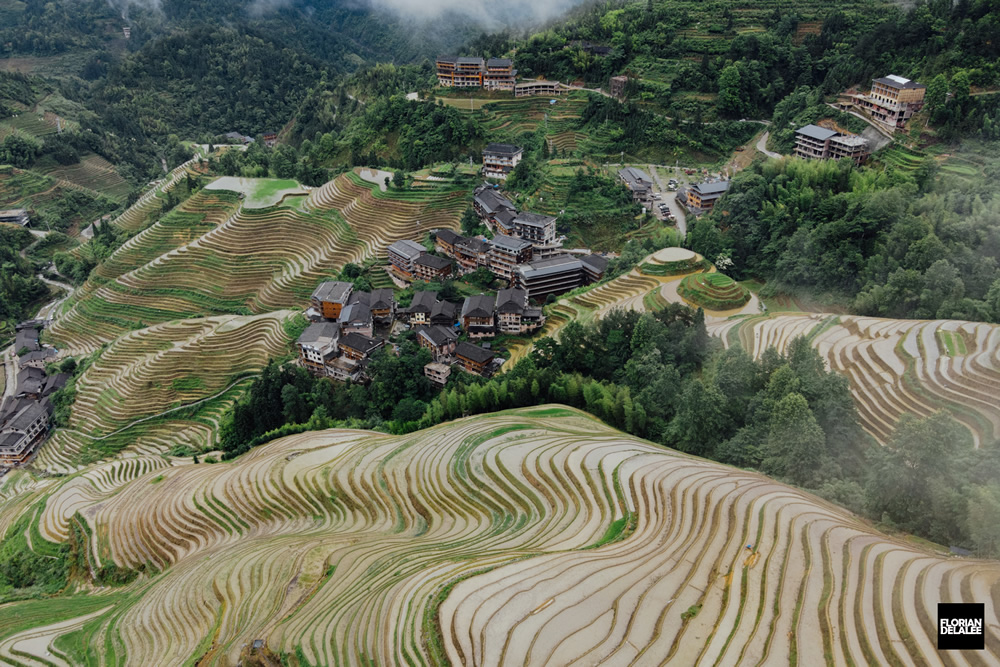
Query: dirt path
[10, 374]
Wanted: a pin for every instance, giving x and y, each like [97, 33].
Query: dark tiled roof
[448, 236]
[408, 249]
[474, 245]
[423, 302]
[511, 300]
[637, 179]
[318, 332]
[444, 309]
[595, 262]
[360, 342]
[473, 352]
[717, 187]
[550, 266]
[438, 335]
[26, 338]
[899, 82]
[534, 219]
[433, 261]
[499, 62]
[479, 305]
[381, 299]
[356, 314]
[510, 243]
[492, 201]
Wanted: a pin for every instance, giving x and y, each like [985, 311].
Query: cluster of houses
[492, 74]
[341, 338]
[26, 411]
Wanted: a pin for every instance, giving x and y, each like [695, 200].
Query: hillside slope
[532, 537]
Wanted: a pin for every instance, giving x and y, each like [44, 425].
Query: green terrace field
[533, 536]
[715, 291]
[95, 173]
[61, 204]
[212, 257]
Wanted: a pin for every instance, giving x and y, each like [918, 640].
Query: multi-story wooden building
[500, 74]
[429, 268]
[22, 432]
[472, 253]
[441, 341]
[473, 358]
[318, 347]
[513, 316]
[358, 347]
[383, 305]
[594, 268]
[702, 196]
[445, 240]
[478, 318]
[639, 183]
[535, 228]
[331, 297]
[500, 159]
[820, 143]
[357, 318]
[506, 253]
[460, 72]
[421, 308]
[402, 255]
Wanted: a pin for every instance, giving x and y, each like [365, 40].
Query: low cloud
[488, 12]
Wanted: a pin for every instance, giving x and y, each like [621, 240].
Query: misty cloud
[488, 12]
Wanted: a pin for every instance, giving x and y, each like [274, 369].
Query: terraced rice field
[210, 258]
[149, 372]
[533, 537]
[713, 290]
[95, 173]
[895, 366]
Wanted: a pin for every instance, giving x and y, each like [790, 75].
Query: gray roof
[637, 179]
[511, 300]
[320, 332]
[550, 266]
[423, 302]
[382, 298]
[474, 352]
[510, 243]
[502, 149]
[491, 201]
[444, 309]
[595, 262]
[505, 217]
[470, 60]
[37, 355]
[533, 219]
[448, 236]
[408, 249]
[55, 383]
[479, 305]
[447, 59]
[359, 342]
[718, 187]
[333, 291]
[356, 314]
[26, 417]
[26, 338]
[433, 261]
[438, 335]
[816, 132]
[474, 245]
[499, 62]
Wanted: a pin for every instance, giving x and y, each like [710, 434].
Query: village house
[639, 183]
[472, 253]
[402, 255]
[552, 275]
[445, 241]
[618, 85]
[438, 373]
[513, 316]
[506, 253]
[538, 87]
[820, 143]
[15, 216]
[500, 159]
[331, 297]
[478, 316]
[429, 268]
[358, 347]
[892, 100]
[702, 196]
[357, 318]
[538, 229]
[421, 308]
[444, 313]
[441, 341]
[488, 204]
[594, 268]
[26, 340]
[30, 383]
[383, 305]
[460, 72]
[38, 358]
[500, 74]
[473, 358]
[318, 346]
[22, 430]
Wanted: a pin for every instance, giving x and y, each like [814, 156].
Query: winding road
[762, 147]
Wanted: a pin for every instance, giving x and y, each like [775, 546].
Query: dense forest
[19, 288]
[895, 244]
